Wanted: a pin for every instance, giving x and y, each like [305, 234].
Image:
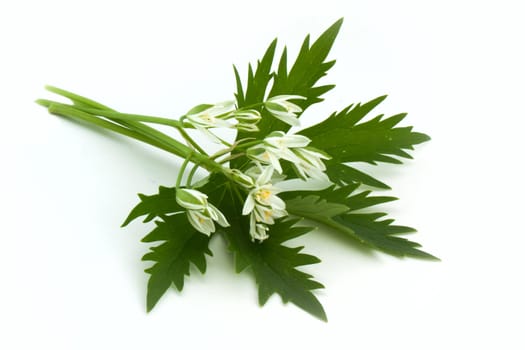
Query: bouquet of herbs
[242, 198]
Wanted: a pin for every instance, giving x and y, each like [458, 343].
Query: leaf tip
[43, 103]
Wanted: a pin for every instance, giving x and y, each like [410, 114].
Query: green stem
[248, 144]
[81, 101]
[190, 175]
[182, 168]
[144, 118]
[96, 108]
[137, 131]
[132, 117]
[234, 156]
[70, 112]
[190, 140]
[77, 98]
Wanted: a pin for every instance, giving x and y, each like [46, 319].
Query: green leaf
[155, 205]
[342, 174]
[183, 245]
[258, 82]
[274, 265]
[309, 67]
[381, 234]
[376, 140]
[315, 206]
[365, 228]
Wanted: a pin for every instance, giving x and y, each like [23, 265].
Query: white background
[72, 279]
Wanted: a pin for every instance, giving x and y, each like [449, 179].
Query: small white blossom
[309, 163]
[211, 116]
[263, 193]
[280, 140]
[255, 171]
[277, 145]
[265, 155]
[201, 214]
[262, 203]
[247, 120]
[242, 179]
[191, 199]
[247, 115]
[201, 222]
[267, 215]
[258, 231]
[281, 108]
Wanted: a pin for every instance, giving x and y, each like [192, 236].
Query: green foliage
[155, 205]
[182, 245]
[366, 228]
[342, 174]
[301, 79]
[344, 138]
[344, 207]
[273, 264]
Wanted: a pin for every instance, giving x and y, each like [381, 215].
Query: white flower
[309, 163]
[255, 171]
[263, 193]
[258, 231]
[281, 108]
[247, 115]
[242, 179]
[265, 155]
[267, 215]
[201, 222]
[191, 199]
[247, 120]
[201, 214]
[211, 116]
[277, 146]
[283, 142]
[262, 202]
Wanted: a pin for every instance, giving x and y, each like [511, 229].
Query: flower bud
[191, 199]
[282, 109]
[242, 179]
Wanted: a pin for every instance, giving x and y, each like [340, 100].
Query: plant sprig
[241, 197]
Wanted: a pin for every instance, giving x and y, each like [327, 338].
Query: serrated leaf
[258, 82]
[308, 68]
[273, 264]
[366, 228]
[155, 205]
[347, 139]
[182, 245]
[342, 174]
[314, 205]
[381, 234]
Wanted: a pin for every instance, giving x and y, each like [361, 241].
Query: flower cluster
[307, 161]
[222, 115]
[262, 202]
[225, 115]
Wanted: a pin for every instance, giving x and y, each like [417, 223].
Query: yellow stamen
[264, 194]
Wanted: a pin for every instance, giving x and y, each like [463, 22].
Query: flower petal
[219, 216]
[201, 222]
[249, 204]
[281, 98]
[288, 118]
